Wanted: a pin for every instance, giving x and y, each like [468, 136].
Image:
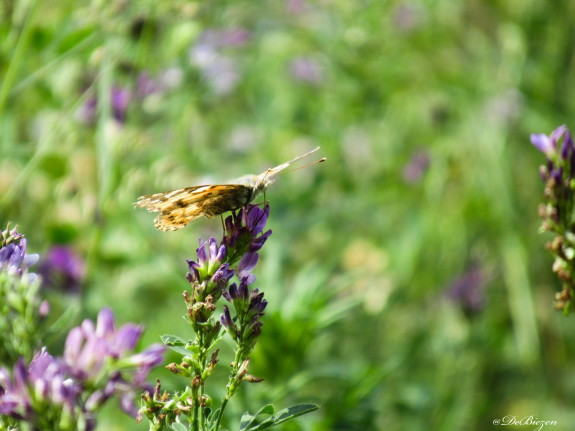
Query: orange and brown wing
[179, 207]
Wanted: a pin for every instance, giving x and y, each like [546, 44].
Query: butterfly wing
[179, 207]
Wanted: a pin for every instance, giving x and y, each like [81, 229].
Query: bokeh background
[408, 285]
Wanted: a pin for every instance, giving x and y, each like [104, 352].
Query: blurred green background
[408, 286]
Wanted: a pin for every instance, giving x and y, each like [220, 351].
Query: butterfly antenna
[323, 159]
[286, 164]
[304, 155]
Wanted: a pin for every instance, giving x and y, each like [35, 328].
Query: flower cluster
[558, 210]
[22, 311]
[41, 394]
[100, 357]
[249, 308]
[65, 393]
[209, 275]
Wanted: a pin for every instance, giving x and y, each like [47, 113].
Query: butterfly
[179, 207]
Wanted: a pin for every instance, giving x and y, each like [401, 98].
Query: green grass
[358, 265]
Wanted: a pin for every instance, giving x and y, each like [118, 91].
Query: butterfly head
[260, 183]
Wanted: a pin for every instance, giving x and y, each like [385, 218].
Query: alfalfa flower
[101, 356]
[557, 212]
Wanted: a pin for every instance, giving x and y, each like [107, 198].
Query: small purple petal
[213, 248]
[243, 291]
[260, 241]
[556, 134]
[226, 318]
[247, 263]
[126, 338]
[221, 253]
[233, 292]
[201, 251]
[105, 324]
[73, 345]
[127, 405]
[542, 143]
[150, 357]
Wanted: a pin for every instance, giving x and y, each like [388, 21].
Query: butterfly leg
[223, 225]
[265, 202]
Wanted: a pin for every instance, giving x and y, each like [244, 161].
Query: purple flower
[102, 352]
[249, 307]
[223, 274]
[14, 260]
[208, 262]
[42, 384]
[244, 227]
[62, 269]
[548, 144]
[245, 302]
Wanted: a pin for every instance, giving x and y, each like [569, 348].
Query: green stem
[233, 374]
[195, 417]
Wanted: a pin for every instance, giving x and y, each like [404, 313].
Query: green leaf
[172, 340]
[292, 412]
[178, 427]
[175, 343]
[247, 421]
